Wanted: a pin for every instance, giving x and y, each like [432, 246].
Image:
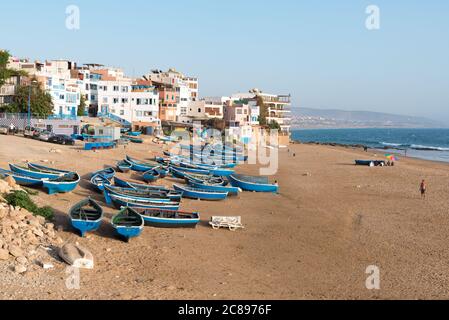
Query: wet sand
[314, 240]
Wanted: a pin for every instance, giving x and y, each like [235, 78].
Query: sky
[320, 52]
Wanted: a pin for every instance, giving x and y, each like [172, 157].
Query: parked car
[44, 135]
[4, 130]
[29, 132]
[61, 139]
[36, 133]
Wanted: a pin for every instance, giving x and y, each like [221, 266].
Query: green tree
[6, 73]
[82, 106]
[274, 125]
[263, 111]
[41, 102]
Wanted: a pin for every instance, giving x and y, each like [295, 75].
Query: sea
[428, 144]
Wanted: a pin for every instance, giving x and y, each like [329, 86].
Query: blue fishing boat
[121, 201]
[163, 172]
[45, 169]
[142, 166]
[98, 182]
[168, 219]
[124, 166]
[64, 184]
[125, 184]
[201, 194]
[219, 188]
[108, 173]
[128, 223]
[190, 170]
[86, 216]
[151, 175]
[133, 139]
[134, 133]
[250, 183]
[153, 195]
[33, 173]
[21, 179]
[209, 179]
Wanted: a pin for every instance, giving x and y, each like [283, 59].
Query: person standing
[423, 189]
[11, 128]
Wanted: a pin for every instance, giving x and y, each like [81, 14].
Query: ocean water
[429, 144]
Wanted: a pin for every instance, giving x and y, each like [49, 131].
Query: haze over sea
[428, 144]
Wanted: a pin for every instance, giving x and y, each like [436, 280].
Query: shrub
[23, 200]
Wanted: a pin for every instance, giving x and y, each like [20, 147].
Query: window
[116, 88]
[105, 99]
[116, 100]
[239, 111]
[124, 89]
[87, 86]
[124, 100]
[93, 87]
[138, 102]
[122, 112]
[92, 97]
[61, 96]
[199, 110]
[105, 88]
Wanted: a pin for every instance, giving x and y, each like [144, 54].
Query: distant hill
[332, 118]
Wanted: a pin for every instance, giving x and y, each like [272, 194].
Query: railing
[115, 118]
[62, 117]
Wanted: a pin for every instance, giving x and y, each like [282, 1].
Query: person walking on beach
[423, 189]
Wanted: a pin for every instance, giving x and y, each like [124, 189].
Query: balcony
[277, 99]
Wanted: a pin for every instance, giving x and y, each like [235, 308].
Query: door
[73, 112]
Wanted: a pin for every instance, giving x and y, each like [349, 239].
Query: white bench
[233, 223]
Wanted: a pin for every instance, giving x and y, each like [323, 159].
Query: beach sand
[314, 240]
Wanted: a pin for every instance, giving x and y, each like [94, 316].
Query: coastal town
[159, 101]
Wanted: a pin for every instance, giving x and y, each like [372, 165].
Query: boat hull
[120, 202]
[32, 173]
[201, 195]
[86, 226]
[250, 186]
[54, 187]
[230, 190]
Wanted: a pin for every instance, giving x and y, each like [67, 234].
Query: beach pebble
[20, 269]
[4, 254]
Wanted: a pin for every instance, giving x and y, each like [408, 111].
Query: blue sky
[319, 51]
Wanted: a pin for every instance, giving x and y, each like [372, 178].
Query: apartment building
[130, 100]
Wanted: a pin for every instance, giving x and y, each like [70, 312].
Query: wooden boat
[22, 179]
[124, 166]
[125, 184]
[108, 173]
[128, 223]
[64, 184]
[190, 170]
[163, 172]
[34, 173]
[168, 219]
[134, 133]
[133, 139]
[98, 182]
[153, 195]
[45, 169]
[209, 179]
[370, 163]
[142, 166]
[250, 183]
[201, 194]
[86, 216]
[121, 201]
[211, 187]
[151, 175]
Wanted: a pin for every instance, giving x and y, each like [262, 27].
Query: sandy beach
[314, 240]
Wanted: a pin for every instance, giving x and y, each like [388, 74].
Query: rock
[15, 251]
[49, 226]
[38, 233]
[22, 260]
[41, 220]
[20, 269]
[108, 250]
[10, 180]
[77, 256]
[4, 254]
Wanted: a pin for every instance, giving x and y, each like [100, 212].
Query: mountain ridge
[336, 118]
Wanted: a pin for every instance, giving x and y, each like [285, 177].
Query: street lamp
[33, 82]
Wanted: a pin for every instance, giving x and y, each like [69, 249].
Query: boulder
[20, 269]
[15, 251]
[22, 260]
[76, 256]
[4, 254]
[11, 182]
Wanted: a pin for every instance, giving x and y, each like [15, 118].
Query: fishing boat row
[87, 216]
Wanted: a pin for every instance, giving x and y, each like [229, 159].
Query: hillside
[332, 118]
